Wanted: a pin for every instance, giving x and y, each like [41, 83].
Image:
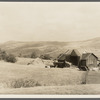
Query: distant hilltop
[54, 48]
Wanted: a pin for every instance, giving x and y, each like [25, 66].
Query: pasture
[93, 89]
[31, 79]
[14, 75]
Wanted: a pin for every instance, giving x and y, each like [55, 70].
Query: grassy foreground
[23, 79]
[16, 76]
[93, 89]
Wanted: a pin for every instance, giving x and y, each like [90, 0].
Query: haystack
[38, 63]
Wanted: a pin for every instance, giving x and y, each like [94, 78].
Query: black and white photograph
[50, 48]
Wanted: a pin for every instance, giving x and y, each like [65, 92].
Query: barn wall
[92, 61]
[75, 60]
[68, 58]
[83, 62]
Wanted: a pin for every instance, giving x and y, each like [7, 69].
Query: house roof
[63, 57]
[73, 52]
[76, 52]
[86, 55]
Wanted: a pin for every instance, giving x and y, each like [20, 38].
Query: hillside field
[24, 79]
[15, 75]
[53, 48]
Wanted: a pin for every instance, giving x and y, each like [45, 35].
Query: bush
[45, 56]
[7, 57]
[34, 55]
[18, 83]
[10, 58]
[20, 55]
[3, 55]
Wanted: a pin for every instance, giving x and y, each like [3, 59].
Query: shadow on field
[85, 77]
[91, 77]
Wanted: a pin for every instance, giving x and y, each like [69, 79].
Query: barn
[89, 60]
[63, 58]
[72, 56]
[78, 59]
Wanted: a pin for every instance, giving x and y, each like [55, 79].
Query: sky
[49, 21]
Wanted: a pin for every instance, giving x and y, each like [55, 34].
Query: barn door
[83, 62]
[75, 60]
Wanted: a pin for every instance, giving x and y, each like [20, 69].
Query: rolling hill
[54, 48]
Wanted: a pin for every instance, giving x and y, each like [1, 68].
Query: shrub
[41, 56]
[34, 55]
[20, 55]
[7, 57]
[3, 55]
[10, 58]
[45, 56]
[22, 82]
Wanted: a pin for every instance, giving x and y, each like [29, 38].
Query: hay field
[93, 89]
[23, 79]
[15, 76]
[93, 77]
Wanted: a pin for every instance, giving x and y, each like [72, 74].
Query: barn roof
[63, 57]
[86, 55]
[70, 52]
[75, 52]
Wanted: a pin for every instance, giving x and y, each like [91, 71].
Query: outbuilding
[82, 60]
[89, 60]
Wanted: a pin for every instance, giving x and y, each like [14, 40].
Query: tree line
[7, 57]
[36, 55]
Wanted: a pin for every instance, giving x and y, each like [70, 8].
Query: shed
[89, 60]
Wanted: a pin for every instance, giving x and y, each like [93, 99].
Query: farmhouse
[79, 59]
[89, 59]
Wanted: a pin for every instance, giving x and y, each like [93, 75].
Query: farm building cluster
[84, 61]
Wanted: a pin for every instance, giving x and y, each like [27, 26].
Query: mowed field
[9, 73]
[93, 89]
[24, 79]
